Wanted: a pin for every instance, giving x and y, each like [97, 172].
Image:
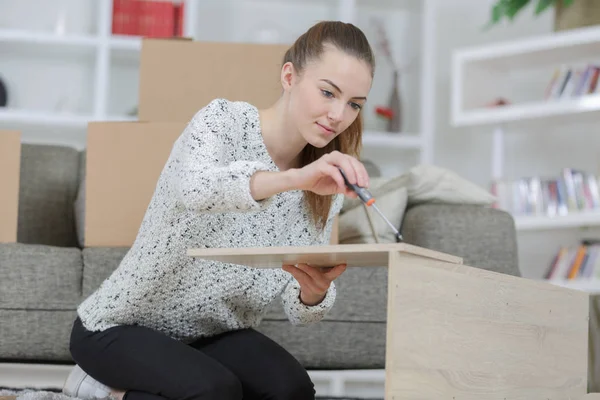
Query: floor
[361, 384]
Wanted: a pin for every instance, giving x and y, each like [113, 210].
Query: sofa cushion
[484, 237]
[48, 184]
[331, 344]
[36, 335]
[39, 277]
[361, 297]
[99, 263]
[429, 183]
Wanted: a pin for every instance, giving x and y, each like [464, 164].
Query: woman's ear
[288, 74]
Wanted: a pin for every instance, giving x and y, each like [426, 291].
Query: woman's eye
[326, 93]
[356, 106]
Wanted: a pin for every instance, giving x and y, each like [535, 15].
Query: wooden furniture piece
[456, 331]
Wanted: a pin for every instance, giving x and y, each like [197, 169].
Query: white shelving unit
[113, 66]
[473, 66]
[520, 71]
[573, 220]
[529, 111]
[482, 72]
[589, 286]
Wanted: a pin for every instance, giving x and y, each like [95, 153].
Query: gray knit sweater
[202, 200]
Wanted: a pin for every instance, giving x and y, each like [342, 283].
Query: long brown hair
[310, 46]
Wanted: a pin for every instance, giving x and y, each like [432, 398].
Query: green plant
[510, 8]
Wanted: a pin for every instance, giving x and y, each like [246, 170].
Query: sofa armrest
[482, 236]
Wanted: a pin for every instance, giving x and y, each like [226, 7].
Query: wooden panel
[459, 332]
[124, 161]
[10, 167]
[355, 255]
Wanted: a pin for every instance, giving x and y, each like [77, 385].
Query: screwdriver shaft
[398, 235]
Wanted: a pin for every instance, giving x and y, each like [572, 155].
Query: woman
[165, 325]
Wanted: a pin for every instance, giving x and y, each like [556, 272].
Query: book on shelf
[580, 262]
[570, 81]
[148, 18]
[571, 191]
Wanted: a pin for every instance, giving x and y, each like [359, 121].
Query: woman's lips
[326, 129]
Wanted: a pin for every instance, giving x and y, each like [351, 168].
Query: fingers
[320, 282]
[362, 177]
[335, 174]
[315, 278]
[335, 272]
[306, 281]
[354, 170]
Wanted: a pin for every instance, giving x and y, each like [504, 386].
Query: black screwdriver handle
[362, 193]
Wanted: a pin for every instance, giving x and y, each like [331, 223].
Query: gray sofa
[46, 275]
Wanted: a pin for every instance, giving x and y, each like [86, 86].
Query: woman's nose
[336, 113]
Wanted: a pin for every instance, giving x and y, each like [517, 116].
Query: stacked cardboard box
[177, 78]
[10, 167]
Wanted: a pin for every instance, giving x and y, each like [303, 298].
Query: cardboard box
[10, 172]
[124, 161]
[178, 78]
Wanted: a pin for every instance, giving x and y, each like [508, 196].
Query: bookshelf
[520, 73]
[480, 73]
[100, 79]
[472, 67]
[516, 114]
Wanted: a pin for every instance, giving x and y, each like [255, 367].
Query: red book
[124, 17]
[156, 19]
[147, 18]
[178, 17]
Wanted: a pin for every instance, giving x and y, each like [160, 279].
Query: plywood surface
[124, 161]
[10, 166]
[355, 255]
[456, 331]
[178, 78]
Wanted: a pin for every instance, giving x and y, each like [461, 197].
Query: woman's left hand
[314, 281]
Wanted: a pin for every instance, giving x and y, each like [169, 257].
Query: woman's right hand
[323, 176]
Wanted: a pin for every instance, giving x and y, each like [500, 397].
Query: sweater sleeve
[201, 177]
[299, 313]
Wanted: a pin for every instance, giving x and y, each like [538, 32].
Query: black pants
[242, 364]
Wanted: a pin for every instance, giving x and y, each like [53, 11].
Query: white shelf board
[573, 220]
[25, 117]
[125, 43]
[395, 140]
[553, 48]
[591, 286]
[41, 38]
[529, 111]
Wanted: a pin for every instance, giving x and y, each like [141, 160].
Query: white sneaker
[82, 386]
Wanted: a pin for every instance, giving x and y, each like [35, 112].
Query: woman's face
[328, 96]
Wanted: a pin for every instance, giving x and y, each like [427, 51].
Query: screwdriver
[369, 201]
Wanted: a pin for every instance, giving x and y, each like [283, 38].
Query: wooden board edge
[337, 248]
